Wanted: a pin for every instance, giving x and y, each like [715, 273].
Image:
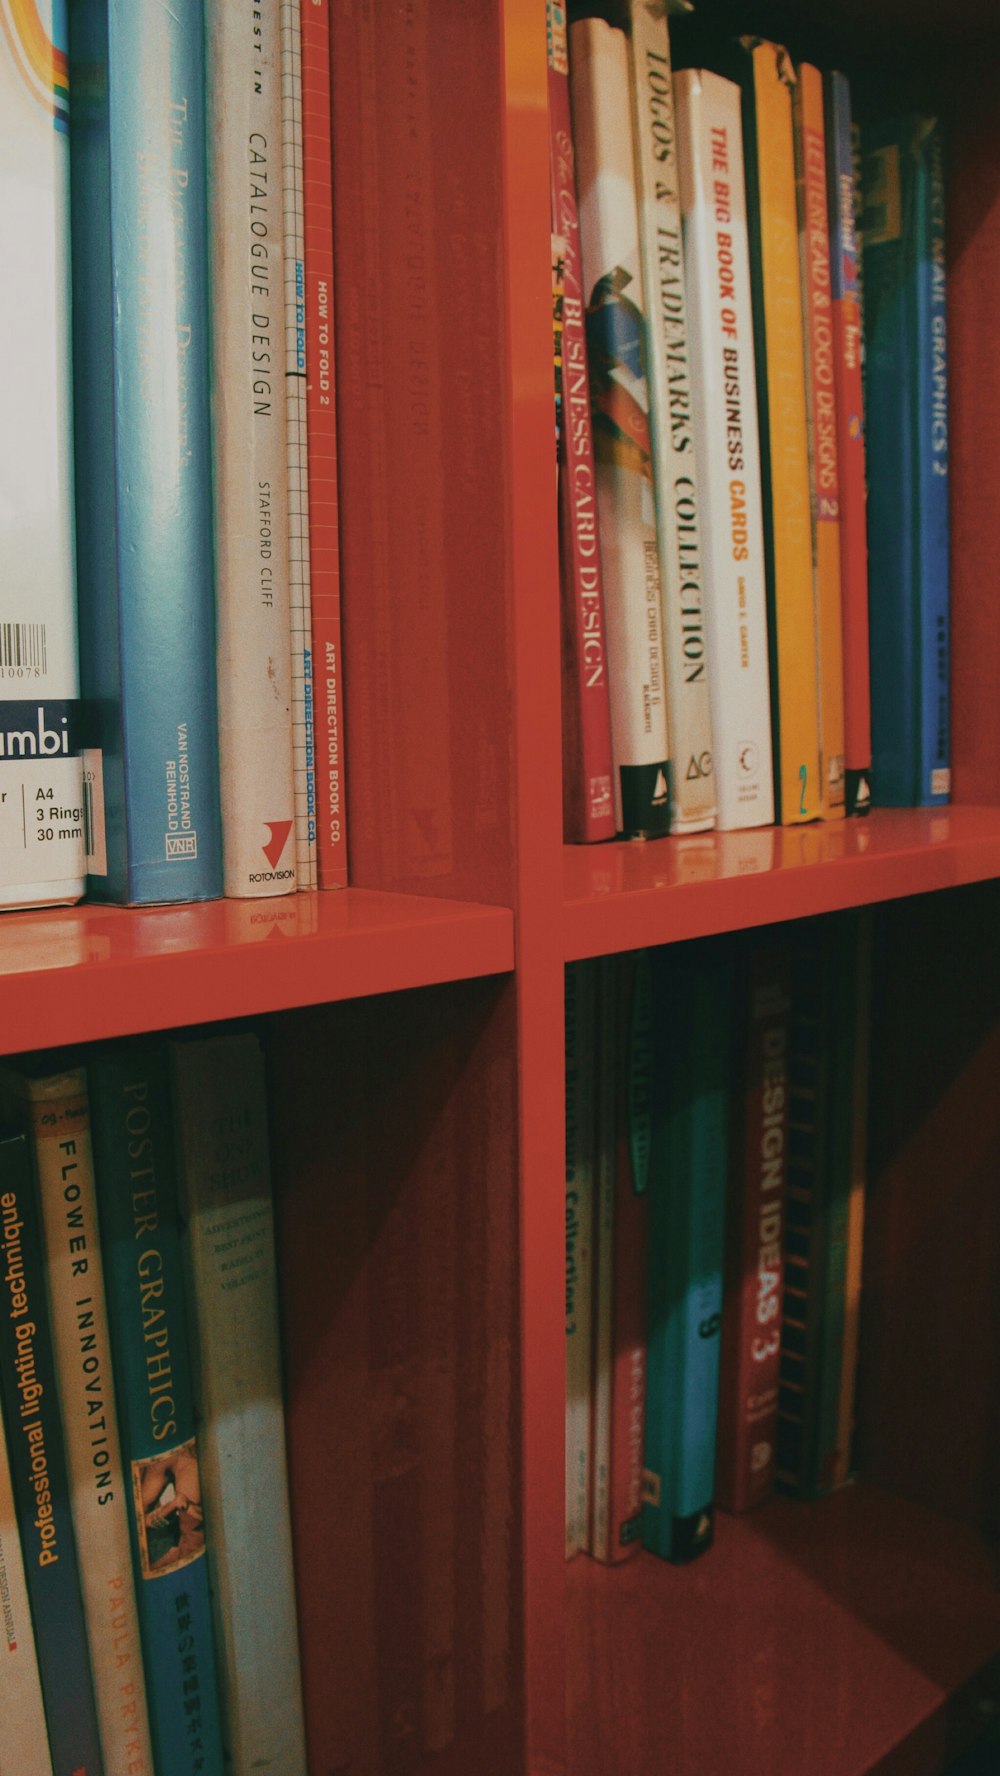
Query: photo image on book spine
[169, 1516]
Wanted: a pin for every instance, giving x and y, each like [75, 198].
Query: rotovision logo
[279, 831]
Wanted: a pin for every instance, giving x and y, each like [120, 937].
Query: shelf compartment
[629, 894]
[815, 1639]
[87, 973]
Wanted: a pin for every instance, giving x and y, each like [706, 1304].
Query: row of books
[149, 1624]
[169, 464]
[715, 1178]
[723, 662]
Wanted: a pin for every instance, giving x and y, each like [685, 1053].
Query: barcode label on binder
[23, 650]
[93, 812]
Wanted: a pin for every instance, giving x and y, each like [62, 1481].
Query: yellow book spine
[824, 469]
[797, 773]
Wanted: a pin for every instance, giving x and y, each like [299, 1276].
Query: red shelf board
[86, 973]
[629, 894]
[813, 1639]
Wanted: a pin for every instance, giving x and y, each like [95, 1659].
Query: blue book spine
[906, 392]
[686, 1248]
[143, 455]
[137, 1199]
[931, 416]
[889, 408]
[38, 1473]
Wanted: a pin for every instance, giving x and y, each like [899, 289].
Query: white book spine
[58, 1110]
[581, 1128]
[250, 447]
[612, 279]
[300, 604]
[675, 466]
[720, 321]
[24, 1743]
[608, 1037]
[225, 1195]
[41, 772]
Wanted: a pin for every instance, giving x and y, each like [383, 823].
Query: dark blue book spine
[137, 1199]
[931, 415]
[143, 454]
[38, 1473]
[890, 396]
[686, 1249]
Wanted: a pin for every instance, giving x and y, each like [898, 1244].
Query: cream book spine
[249, 432]
[720, 322]
[675, 452]
[226, 1209]
[55, 1110]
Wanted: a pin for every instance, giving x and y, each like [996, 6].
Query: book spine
[889, 419]
[299, 599]
[781, 399]
[676, 468]
[137, 1203]
[250, 441]
[821, 414]
[588, 802]
[608, 1037]
[25, 1747]
[931, 450]
[686, 1244]
[721, 330]
[751, 1323]
[842, 1466]
[143, 452]
[581, 1082]
[55, 1112]
[321, 428]
[37, 1455]
[798, 1428]
[41, 783]
[612, 279]
[846, 296]
[220, 1093]
[839, 1035]
[634, 1074]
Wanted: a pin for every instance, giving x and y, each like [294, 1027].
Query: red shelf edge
[718, 896]
[94, 979]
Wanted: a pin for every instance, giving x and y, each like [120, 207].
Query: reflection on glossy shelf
[622, 895]
[811, 1640]
[81, 973]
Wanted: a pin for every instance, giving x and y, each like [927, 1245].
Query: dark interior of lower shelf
[814, 1639]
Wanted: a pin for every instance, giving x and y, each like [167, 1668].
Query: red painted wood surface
[811, 1640]
[620, 896]
[87, 973]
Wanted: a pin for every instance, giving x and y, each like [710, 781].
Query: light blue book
[687, 1200]
[143, 460]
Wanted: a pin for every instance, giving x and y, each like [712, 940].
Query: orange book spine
[821, 412]
[782, 402]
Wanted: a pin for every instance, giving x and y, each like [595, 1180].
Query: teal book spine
[687, 1191]
[137, 1199]
[37, 1456]
[906, 401]
[143, 451]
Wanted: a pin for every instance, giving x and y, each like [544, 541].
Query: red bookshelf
[415, 1023]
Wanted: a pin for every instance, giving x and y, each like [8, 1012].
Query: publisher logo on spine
[279, 831]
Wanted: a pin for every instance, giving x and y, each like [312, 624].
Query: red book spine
[751, 1322]
[324, 524]
[588, 803]
[632, 1139]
